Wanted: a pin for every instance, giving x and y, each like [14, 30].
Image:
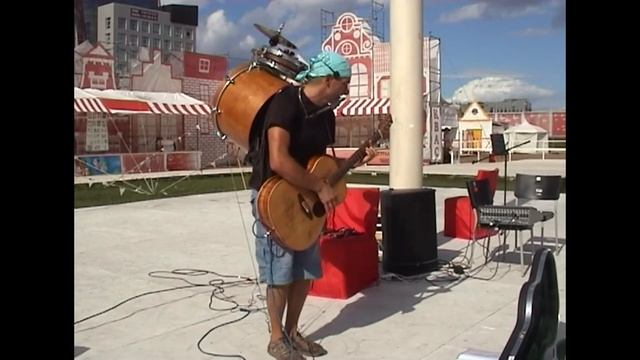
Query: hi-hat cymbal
[275, 37]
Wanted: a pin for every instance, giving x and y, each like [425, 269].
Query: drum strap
[333, 150]
[262, 156]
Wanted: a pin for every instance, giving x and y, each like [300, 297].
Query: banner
[436, 135]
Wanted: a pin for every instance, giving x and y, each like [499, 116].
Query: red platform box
[349, 262]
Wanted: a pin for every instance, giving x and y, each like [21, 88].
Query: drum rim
[285, 71]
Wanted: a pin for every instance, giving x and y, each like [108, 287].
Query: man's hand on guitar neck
[371, 153]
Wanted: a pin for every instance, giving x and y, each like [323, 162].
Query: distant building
[554, 122]
[125, 28]
[507, 105]
[90, 14]
[196, 75]
[502, 115]
[93, 67]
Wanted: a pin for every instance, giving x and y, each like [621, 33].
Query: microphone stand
[506, 155]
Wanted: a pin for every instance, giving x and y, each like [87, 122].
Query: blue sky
[490, 50]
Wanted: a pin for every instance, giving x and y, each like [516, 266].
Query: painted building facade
[370, 87]
[192, 74]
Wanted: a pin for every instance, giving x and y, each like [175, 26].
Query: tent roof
[525, 127]
[474, 112]
[85, 102]
[145, 102]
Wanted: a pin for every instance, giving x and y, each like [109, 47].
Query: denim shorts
[280, 266]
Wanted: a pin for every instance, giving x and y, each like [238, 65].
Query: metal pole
[505, 179]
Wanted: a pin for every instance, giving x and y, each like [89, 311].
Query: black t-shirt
[309, 135]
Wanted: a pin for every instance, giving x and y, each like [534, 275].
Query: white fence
[542, 147]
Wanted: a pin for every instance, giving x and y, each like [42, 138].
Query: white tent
[523, 132]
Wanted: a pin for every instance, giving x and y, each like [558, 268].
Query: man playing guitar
[297, 126]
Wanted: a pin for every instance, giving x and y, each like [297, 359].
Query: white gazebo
[524, 132]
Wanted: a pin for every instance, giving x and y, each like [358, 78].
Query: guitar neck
[348, 164]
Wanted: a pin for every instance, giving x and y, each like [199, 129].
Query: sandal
[305, 346]
[281, 349]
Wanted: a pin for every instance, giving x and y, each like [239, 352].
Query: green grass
[139, 190]
[159, 188]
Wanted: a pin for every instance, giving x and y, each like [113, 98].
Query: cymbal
[274, 36]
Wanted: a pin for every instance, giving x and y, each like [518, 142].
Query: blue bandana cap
[327, 63]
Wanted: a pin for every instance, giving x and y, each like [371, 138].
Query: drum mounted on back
[248, 89]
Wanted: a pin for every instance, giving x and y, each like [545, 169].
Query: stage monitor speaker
[409, 237]
[497, 144]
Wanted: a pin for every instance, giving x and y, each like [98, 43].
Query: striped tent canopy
[364, 106]
[85, 102]
[140, 102]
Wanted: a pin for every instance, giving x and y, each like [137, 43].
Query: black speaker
[409, 238]
[497, 144]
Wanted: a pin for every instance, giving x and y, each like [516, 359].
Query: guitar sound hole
[318, 209]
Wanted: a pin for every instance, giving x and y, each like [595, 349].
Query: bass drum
[237, 103]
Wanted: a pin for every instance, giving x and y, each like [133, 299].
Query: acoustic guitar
[296, 216]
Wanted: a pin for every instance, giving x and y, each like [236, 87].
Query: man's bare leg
[297, 295]
[276, 301]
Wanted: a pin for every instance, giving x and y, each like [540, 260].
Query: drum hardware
[275, 37]
[281, 62]
[221, 135]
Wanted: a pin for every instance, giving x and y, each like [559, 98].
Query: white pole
[406, 94]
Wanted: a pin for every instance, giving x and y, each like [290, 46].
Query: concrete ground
[128, 251]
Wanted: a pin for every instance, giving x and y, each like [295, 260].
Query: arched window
[359, 85]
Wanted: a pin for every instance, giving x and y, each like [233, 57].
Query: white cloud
[496, 9]
[497, 89]
[475, 73]
[533, 32]
[468, 12]
[248, 43]
[219, 36]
